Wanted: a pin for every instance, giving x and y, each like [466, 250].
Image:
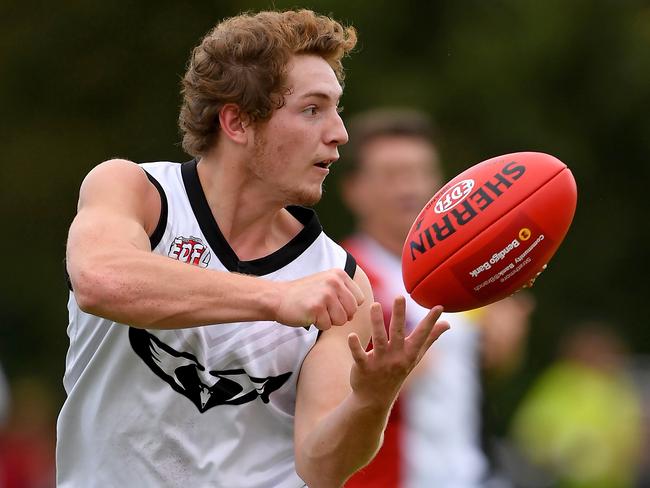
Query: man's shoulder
[127, 173]
[113, 175]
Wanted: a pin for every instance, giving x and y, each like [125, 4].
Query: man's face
[397, 176]
[295, 147]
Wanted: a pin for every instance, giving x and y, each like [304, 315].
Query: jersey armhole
[156, 236]
[350, 265]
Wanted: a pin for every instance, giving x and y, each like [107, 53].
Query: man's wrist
[268, 299]
[372, 403]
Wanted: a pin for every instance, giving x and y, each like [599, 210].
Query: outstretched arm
[345, 393]
[115, 275]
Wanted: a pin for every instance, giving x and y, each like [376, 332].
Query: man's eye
[340, 108]
[311, 110]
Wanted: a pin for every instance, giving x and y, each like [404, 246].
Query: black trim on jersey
[350, 265]
[157, 235]
[257, 267]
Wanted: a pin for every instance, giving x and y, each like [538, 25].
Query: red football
[489, 231]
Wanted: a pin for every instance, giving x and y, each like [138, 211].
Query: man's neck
[250, 220]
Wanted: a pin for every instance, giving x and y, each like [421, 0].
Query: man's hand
[325, 299]
[378, 374]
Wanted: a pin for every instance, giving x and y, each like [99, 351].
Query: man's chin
[307, 198]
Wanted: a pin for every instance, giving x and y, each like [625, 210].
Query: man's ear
[234, 123]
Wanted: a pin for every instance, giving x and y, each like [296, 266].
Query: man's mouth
[324, 164]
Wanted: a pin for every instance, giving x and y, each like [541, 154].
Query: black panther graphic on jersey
[205, 389]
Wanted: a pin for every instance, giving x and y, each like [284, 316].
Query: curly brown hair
[244, 59]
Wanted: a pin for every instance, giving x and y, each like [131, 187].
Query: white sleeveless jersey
[208, 406]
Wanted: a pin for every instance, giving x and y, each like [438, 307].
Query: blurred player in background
[581, 421]
[27, 439]
[217, 335]
[433, 437]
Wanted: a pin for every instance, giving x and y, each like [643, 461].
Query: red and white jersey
[436, 428]
[208, 406]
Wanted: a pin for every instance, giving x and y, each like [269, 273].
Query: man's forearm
[342, 442]
[145, 290]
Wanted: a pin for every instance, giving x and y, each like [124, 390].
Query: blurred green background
[81, 82]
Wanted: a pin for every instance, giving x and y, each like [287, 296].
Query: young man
[433, 436]
[217, 335]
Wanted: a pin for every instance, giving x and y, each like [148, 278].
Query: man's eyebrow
[323, 95]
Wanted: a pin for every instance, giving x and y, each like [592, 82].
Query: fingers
[355, 290]
[325, 299]
[434, 314]
[337, 301]
[531, 282]
[421, 335]
[397, 352]
[337, 312]
[323, 321]
[358, 353]
[425, 334]
[398, 322]
[349, 303]
[438, 329]
[345, 298]
[379, 335]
